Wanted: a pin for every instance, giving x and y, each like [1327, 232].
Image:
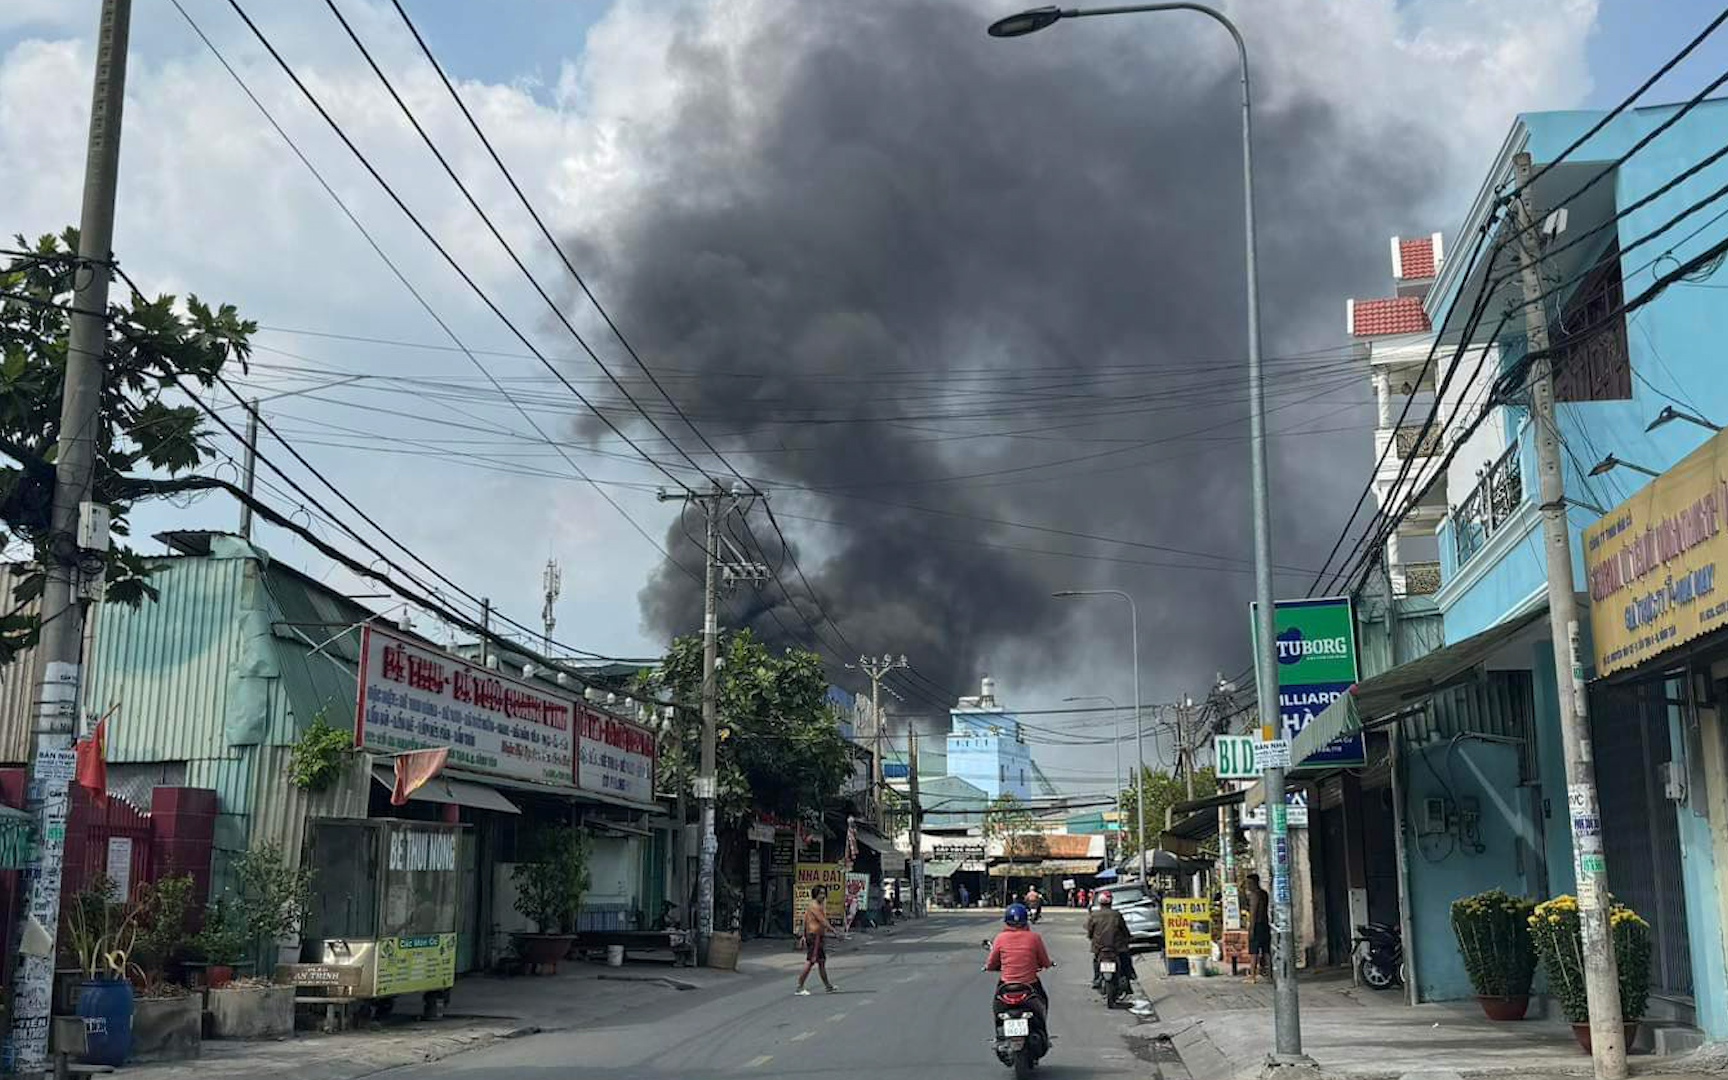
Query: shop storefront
[1659, 639]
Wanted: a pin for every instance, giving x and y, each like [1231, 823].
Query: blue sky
[1635, 37]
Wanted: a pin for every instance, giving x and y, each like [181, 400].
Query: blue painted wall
[1703, 916]
[1443, 869]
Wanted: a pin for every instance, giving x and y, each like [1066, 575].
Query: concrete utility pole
[249, 467]
[1601, 978]
[877, 669]
[716, 503]
[917, 823]
[62, 645]
[1184, 741]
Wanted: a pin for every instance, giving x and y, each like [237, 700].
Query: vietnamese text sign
[780, 859]
[857, 894]
[413, 697]
[808, 877]
[1187, 927]
[409, 965]
[1232, 902]
[615, 757]
[1316, 665]
[1651, 562]
[1296, 816]
[1233, 756]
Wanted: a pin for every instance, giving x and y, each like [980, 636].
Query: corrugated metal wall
[170, 665]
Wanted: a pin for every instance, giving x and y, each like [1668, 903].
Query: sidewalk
[483, 1010]
[1222, 1029]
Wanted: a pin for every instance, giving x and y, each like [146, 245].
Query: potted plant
[222, 943]
[1493, 932]
[1558, 934]
[100, 931]
[167, 1019]
[549, 891]
[268, 903]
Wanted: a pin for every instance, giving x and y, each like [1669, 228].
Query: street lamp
[1139, 725]
[1118, 711]
[1286, 1020]
[1669, 414]
[1610, 463]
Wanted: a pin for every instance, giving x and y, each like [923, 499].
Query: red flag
[413, 769]
[92, 762]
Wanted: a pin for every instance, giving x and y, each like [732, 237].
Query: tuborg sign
[1316, 664]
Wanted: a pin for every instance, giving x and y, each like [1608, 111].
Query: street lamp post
[1139, 725]
[1287, 1029]
[1117, 712]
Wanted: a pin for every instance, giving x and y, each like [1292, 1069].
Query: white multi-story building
[1395, 340]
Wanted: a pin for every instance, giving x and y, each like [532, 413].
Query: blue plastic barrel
[105, 1006]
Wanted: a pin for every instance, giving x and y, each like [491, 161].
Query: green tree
[779, 745]
[1009, 820]
[145, 447]
[1163, 791]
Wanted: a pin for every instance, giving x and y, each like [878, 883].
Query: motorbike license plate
[1107, 967]
[1016, 1027]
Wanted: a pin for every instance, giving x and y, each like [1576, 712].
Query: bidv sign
[1316, 664]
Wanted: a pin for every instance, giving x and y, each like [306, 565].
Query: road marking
[866, 1003]
[836, 1018]
[757, 1063]
[801, 1036]
[914, 977]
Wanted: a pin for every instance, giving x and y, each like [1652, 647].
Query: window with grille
[1591, 362]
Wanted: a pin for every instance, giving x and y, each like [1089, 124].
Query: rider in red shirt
[1019, 954]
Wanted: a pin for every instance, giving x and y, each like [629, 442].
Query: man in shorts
[815, 932]
[1259, 928]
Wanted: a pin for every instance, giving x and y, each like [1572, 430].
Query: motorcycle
[1113, 974]
[1021, 1038]
[1379, 952]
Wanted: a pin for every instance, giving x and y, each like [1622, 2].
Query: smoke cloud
[920, 283]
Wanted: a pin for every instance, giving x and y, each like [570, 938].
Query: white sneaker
[800, 992]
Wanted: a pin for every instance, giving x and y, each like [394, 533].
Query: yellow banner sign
[811, 875]
[1187, 927]
[408, 965]
[1651, 563]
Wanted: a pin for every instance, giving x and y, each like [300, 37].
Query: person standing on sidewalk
[1259, 929]
[815, 935]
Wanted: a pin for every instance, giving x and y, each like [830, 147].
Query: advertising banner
[414, 697]
[1187, 928]
[808, 877]
[408, 965]
[1651, 563]
[615, 757]
[857, 894]
[1316, 664]
[780, 859]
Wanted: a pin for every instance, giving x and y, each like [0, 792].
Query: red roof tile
[1391, 315]
[1416, 259]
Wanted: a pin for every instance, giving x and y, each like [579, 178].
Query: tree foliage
[1163, 791]
[779, 745]
[1009, 820]
[145, 446]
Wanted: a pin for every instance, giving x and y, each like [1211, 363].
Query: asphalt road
[912, 1003]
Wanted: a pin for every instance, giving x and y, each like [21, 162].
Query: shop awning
[1045, 868]
[947, 868]
[1211, 802]
[444, 789]
[1406, 686]
[879, 844]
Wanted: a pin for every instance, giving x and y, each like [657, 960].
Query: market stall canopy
[1158, 861]
[1391, 693]
[893, 859]
[945, 869]
[1045, 868]
[445, 789]
[1211, 802]
[1185, 836]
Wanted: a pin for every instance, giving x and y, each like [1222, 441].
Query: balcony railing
[1498, 493]
[1414, 442]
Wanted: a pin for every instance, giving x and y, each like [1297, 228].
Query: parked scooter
[1379, 952]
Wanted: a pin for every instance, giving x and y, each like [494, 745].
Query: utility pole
[486, 631]
[917, 823]
[62, 618]
[249, 467]
[716, 502]
[552, 586]
[1185, 748]
[877, 669]
[1601, 978]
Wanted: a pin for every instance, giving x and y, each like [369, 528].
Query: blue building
[1471, 728]
[987, 748]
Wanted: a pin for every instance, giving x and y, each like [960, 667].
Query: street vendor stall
[384, 914]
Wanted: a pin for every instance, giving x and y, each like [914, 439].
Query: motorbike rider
[1107, 932]
[1034, 903]
[1018, 953]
